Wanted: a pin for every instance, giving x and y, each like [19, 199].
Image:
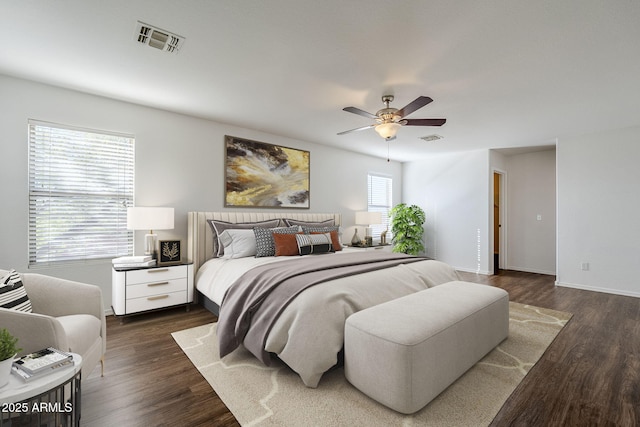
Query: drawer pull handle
[157, 297]
[157, 270]
[157, 284]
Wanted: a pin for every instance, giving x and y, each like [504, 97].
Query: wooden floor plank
[590, 375]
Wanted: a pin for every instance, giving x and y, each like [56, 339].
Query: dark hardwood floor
[589, 376]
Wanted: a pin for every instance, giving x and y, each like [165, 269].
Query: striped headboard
[200, 237]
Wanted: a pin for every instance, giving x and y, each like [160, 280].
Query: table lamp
[367, 219]
[149, 218]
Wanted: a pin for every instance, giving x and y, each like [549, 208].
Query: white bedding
[216, 275]
[309, 333]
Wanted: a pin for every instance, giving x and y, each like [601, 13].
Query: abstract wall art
[264, 175]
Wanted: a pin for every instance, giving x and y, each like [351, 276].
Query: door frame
[502, 212]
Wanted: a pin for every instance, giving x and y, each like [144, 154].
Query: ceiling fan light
[387, 130]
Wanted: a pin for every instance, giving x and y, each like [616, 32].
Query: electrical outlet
[585, 266]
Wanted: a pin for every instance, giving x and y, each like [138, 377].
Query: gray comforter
[303, 323]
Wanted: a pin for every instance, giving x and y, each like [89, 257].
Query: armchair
[66, 315]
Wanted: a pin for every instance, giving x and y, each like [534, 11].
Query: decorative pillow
[286, 244]
[335, 240]
[335, 234]
[12, 293]
[325, 223]
[265, 245]
[238, 243]
[314, 243]
[217, 227]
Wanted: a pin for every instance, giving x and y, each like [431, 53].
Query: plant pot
[5, 371]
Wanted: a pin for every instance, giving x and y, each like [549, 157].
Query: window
[80, 184]
[380, 200]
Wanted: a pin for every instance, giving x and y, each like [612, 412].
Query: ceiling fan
[389, 120]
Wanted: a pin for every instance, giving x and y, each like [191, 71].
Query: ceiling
[504, 74]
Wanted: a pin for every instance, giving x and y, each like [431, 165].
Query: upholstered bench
[405, 352]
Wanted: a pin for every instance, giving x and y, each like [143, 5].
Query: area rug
[275, 396]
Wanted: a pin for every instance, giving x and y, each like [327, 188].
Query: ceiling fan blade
[356, 129]
[414, 105]
[360, 112]
[425, 122]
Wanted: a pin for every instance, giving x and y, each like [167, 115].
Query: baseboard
[469, 270]
[597, 289]
[531, 270]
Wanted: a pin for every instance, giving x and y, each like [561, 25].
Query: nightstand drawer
[160, 274]
[156, 287]
[156, 301]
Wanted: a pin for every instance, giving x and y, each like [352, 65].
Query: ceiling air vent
[160, 39]
[433, 137]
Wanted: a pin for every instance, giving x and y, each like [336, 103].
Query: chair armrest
[59, 297]
[34, 331]
[56, 297]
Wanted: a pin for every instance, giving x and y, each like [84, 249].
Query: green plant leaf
[8, 347]
[406, 227]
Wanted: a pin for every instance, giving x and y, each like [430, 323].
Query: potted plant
[8, 350]
[406, 227]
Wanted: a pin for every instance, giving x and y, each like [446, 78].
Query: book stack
[40, 363]
[134, 261]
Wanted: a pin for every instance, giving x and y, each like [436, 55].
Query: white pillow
[238, 243]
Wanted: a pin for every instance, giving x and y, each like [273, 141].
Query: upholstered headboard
[200, 237]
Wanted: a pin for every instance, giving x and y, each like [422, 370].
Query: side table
[384, 248]
[135, 290]
[52, 400]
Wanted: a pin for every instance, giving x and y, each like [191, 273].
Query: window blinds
[80, 184]
[380, 200]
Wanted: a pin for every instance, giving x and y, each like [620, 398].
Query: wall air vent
[157, 38]
[433, 137]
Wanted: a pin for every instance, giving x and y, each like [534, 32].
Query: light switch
[539, 217]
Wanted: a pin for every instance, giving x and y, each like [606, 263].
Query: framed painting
[169, 252]
[261, 175]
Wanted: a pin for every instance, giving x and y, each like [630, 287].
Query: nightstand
[384, 248]
[135, 290]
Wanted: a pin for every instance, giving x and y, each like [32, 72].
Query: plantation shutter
[80, 184]
[380, 200]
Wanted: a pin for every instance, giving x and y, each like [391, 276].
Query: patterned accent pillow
[265, 245]
[217, 227]
[12, 293]
[335, 234]
[286, 244]
[325, 223]
[314, 243]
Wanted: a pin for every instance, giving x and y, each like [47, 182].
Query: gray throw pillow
[217, 227]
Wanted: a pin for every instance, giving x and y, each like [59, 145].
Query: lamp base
[150, 244]
[368, 236]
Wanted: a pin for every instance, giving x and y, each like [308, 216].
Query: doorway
[499, 249]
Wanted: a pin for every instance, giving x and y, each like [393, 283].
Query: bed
[305, 328]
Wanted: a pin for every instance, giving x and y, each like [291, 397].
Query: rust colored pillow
[286, 244]
[335, 240]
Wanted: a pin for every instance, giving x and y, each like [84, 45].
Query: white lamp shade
[149, 218]
[387, 130]
[368, 218]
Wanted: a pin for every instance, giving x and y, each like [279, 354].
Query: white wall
[454, 191]
[179, 163]
[599, 211]
[531, 191]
